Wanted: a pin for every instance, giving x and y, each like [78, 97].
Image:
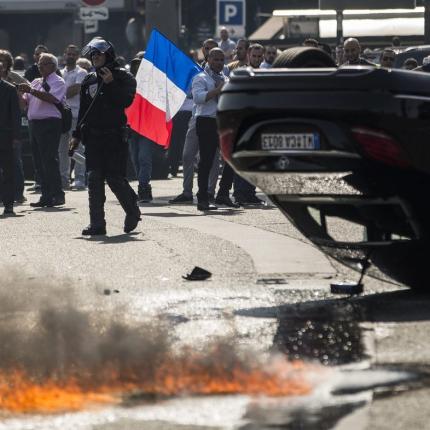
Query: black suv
[348, 143]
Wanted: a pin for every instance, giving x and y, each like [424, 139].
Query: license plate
[290, 141]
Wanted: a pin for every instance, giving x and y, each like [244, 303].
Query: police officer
[10, 119]
[105, 94]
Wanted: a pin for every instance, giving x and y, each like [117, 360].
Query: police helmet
[98, 45]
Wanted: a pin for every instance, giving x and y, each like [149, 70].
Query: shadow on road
[223, 212]
[53, 209]
[164, 203]
[14, 215]
[108, 240]
[169, 214]
[394, 306]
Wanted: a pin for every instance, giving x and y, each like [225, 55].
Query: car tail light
[380, 146]
[226, 140]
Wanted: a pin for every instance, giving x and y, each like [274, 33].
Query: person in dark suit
[10, 119]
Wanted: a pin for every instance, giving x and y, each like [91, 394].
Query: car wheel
[303, 56]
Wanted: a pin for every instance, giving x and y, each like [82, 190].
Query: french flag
[163, 79]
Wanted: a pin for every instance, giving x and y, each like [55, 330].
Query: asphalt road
[269, 290]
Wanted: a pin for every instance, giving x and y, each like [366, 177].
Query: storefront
[56, 23]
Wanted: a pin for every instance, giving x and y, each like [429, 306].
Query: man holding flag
[163, 79]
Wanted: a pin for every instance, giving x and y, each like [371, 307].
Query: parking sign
[231, 14]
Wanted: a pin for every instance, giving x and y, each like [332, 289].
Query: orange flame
[22, 393]
[18, 393]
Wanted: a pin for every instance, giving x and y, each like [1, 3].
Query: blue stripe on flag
[179, 68]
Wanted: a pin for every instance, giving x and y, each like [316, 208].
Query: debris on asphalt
[272, 281]
[108, 292]
[198, 274]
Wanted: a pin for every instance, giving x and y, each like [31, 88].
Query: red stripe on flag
[149, 121]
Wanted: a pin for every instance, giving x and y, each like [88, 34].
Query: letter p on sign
[230, 12]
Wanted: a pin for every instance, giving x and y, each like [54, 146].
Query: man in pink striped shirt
[45, 126]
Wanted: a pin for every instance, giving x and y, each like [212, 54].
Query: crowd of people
[95, 149]
[96, 97]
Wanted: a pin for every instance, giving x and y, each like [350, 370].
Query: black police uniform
[10, 118]
[103, 133]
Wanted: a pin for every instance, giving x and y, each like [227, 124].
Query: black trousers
[179, 131]
[207, 134]
[106, 161]
[45, 138]
[226, 180]
[7, 175]
[19, 171]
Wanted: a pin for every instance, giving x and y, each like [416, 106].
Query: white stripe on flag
[154, 86]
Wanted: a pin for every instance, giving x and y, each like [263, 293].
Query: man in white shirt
[191, 148]
[226, 44]
[206, 88]
[73, 75]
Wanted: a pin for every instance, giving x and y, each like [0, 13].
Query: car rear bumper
[295, 184]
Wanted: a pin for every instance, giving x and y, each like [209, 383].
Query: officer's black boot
[96, 200]
[94, 231]
[127, 199]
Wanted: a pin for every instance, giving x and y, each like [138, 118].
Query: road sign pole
[427, 21]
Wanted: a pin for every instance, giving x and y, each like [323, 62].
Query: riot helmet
[99, 45]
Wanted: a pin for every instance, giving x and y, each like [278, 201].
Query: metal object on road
[350, 288]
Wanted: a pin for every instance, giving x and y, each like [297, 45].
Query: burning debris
[63, 359]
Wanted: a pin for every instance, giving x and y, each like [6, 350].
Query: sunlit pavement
[269, 287]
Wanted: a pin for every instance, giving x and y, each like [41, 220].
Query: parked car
[417, 52]
[338, 146]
